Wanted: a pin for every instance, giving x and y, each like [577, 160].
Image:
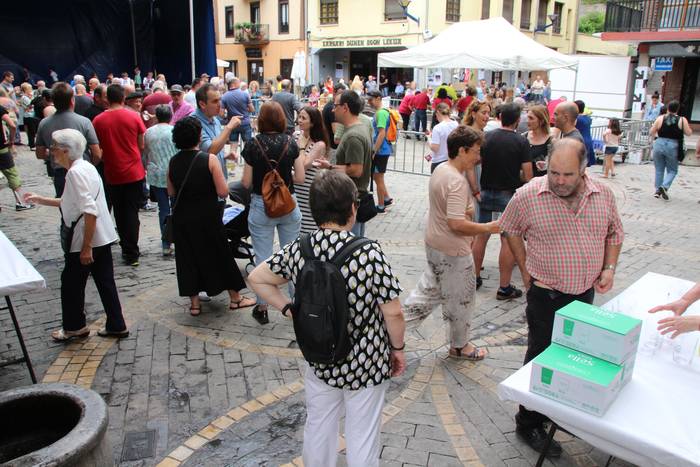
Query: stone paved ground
[222, 390]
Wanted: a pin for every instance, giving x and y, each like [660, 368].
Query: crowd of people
[515, 168]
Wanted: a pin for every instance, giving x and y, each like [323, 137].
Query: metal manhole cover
[139, 445]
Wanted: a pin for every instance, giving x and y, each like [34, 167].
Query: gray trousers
[448, 281]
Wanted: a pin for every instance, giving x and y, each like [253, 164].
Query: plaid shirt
[565, 250]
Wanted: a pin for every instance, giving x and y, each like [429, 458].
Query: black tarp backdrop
[86, 36]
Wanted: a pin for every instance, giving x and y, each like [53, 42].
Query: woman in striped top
[313, 141]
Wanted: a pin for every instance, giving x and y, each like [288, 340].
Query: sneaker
[203, 297]
[133, 262]
[664, 193]
[148, 207]
[479, 282]
[508, 293]
[118, 334]
[388, 201]
[23, 207]
[381, 209]
[658, 193]
[168, 251]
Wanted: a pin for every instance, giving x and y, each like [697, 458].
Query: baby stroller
[236, 225]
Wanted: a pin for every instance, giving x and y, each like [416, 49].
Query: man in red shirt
[420, 103]
[574, 236]
[120, 132]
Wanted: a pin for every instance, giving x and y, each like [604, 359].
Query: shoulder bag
[168, 230]
[277, 199]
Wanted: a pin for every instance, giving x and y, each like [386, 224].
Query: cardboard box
[576, 379]
[604, 334]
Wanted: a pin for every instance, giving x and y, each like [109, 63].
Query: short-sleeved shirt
[439, 136]
[370, 283]
[381, 120]
[449, 199]
[405, 106]
[329, 120]
[118, 131]
[236, 104]
[63, 120]
[356, 148]
[81, 104]
[211, 129]
[565, 249]
[273, 145]
[152, 101]
[158, 150]
[575, 134]
[502, 155]
[420, 101]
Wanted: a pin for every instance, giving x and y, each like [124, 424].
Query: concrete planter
[53, 425]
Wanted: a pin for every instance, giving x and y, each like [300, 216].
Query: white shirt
[191, 99]
[439, 136]
[493, 124]
[85, 194]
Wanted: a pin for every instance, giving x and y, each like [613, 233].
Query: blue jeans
[358, 229]
[245, 131]
[493, 201]
[421, 119]
[262, 231]
[163, 200]
[665, 160]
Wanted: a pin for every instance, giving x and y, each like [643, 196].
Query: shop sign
[367, 42]
[663, 64]
[253, 52]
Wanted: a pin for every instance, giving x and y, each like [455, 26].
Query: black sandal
[260, 315]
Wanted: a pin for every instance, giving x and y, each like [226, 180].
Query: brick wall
[674, 81]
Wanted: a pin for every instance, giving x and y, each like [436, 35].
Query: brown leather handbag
[277, 199]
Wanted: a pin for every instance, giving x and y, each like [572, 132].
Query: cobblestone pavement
[222, 390]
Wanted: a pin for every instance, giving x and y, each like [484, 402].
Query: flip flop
[238, 304]
[195, 310]
[60, 335]
[473, 356]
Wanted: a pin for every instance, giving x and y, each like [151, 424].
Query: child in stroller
[236, 224]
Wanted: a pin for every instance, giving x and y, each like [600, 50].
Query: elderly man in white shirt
[87, 234]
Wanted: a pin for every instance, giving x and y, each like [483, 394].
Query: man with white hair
[87, 234]
[92, 85]
[78, 79]
[82, 100]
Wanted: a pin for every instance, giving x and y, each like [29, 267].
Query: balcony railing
[652, 15]
[252, 34]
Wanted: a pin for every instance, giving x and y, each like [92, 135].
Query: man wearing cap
[134, 101]
[180, 108]
[238, 104]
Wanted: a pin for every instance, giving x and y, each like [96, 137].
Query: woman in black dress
[203, 259]
[538, 138]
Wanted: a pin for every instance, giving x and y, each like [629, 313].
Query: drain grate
[139, 445]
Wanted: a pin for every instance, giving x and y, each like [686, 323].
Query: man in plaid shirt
[574, 235]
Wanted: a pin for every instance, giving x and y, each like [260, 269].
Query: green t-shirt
[356, 148]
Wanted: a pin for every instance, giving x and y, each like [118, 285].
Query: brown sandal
[238, 304]
[195, 310]
[473, 356]
[61, 335]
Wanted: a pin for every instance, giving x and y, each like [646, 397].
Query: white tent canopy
[490, 44]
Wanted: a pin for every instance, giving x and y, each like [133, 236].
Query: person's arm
[95, 154]
[171, 187]
[687, 131]
[218, 176]
[299, 173]
[678, 325]
[655, 127]
[218, 144]
[605, 281]
[266, 285]
[527, 171]
[13, 130]
[139, 141]
[317, 152]
[43, 200]
[247, 178]
[679, 306]
[434, 147]
[473, 183]
[251, 108]
[396, 328]
[42, 152]
[467, 227]
[89, 232]
[381, 134]
[517, 246]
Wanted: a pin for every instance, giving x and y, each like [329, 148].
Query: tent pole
[192, 38]
[575, 82]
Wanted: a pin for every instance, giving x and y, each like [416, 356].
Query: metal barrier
[409, 155]
[635, 137]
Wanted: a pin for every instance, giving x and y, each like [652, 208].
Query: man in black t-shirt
[504, 155]
[329, 117]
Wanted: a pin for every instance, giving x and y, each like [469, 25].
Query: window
[255, 12]
[393, 11]
[232, 67]
[558, 11]
[229, 21]
[485, 9]
[329, 12]
[283, 13]
[525, 10]
[286, 65]
[508, 10]
[542, 14]
[452, 11]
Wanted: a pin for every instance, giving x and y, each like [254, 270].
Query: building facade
[668, 60]
[259, 38]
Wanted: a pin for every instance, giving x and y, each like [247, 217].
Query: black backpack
[320, 312]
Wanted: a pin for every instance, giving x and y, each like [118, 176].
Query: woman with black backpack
[668, 147]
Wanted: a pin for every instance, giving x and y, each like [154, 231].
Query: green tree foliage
[591, 23]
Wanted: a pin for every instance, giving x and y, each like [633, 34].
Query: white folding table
[17, 275]
[655, 421]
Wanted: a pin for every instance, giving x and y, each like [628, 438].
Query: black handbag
[681, 149]
[168, 228]
[367, 209]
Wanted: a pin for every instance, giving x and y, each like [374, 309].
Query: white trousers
[363, 422]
